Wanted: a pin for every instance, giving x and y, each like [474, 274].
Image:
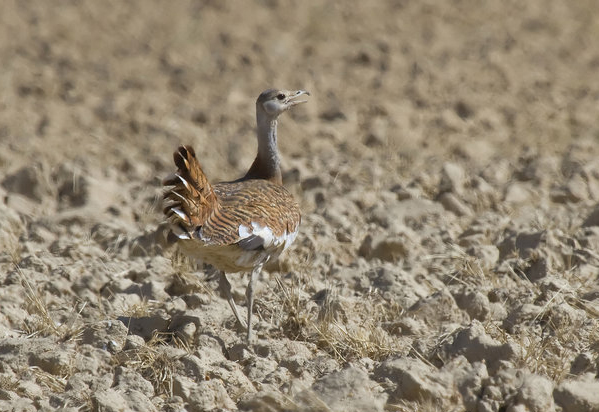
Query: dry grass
[186, 277]
[427, 405]
[347, 329]
[54, 383]
[142, 309]
[464, 269]
[42, 323]
[154, 362]
[10, 231]
[8, 383]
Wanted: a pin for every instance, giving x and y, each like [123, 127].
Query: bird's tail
[189, 198]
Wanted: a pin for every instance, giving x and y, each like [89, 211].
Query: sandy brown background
[447, 148]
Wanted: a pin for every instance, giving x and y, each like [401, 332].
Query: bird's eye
[280, 96]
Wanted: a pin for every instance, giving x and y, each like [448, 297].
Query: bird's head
[274, 102]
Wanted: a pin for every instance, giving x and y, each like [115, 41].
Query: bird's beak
[295, 95]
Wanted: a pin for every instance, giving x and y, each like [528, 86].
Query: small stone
[577, 188]
[56, 362]
[373, 139]
[30, 389]
[451, 203]
[182, 386]
[187, 332]
[6, 395]
[366, 248]
[583, 363]
[107, 335]
[574, 191]
[150, 243]
[526, 242]
[91, 360]
[202, 396]
[109, 400]
[452, 179]
[391, 249]
[577, 395]
[471, 240]
[138, 401]
[343, 236]
[24, 181]
[415, 380]
[296, 364]
[119, 285]
[520, 408]
[259, 368]
[536, 393]
[195, 367]
[463, 110]
[273, 401]
[469, 379]
[538, 269]
[380, 215]
[310, 183]
[497, 311]
[474, 343]
[415, 209]
[474, 303]
[78, 383]
[436, 309]
[487, 255]
[107, 235]
[521, 315]
[19, 404]
[154, 290]
[126, 380]
[592, 219]
[517, 193]
[332, 114]
[102, 382]
[405, 193]
[350, 390]
[562, 316]
[145, 326]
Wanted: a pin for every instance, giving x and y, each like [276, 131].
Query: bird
[240, 225]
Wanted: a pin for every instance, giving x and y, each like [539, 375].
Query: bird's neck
[267, 164]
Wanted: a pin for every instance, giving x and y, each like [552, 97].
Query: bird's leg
[225, 286]
[249, 294]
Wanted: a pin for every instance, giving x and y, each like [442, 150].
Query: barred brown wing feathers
[250, 203]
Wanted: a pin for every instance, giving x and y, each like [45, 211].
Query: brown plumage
[207, 219]
[240, 225]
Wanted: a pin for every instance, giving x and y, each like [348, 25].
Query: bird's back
[231, 225]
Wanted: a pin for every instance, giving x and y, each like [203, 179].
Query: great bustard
[240, 225]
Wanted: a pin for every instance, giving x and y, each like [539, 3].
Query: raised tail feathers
[189, 200]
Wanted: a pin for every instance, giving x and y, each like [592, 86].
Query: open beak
[291, 99]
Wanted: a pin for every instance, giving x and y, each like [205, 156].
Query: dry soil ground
[447, 168]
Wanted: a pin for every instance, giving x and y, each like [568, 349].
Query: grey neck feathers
[267, 164]
[267, 144]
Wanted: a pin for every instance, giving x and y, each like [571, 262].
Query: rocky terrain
[446, 164]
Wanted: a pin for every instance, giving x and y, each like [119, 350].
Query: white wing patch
[260, 244]
[290, 238]
[258, 235]
[244, 232]
[265, 233]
